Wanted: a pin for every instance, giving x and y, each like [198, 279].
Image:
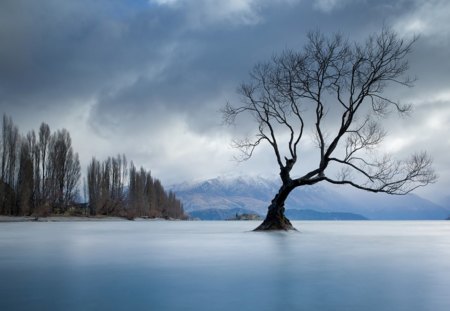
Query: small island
[246, 216]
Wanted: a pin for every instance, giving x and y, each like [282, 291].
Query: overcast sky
[148, 77]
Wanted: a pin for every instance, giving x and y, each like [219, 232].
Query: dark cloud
[58, 50]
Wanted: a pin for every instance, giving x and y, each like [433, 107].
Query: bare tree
[106, 185]
[24, 188]
[145, 197]
[94, 186]
[72, 177]
[63, 170]
[35, 158]
[10, 142]
[25, 181]
[335, 90]
[44, 141]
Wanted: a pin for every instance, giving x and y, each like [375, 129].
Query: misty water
[161, 265]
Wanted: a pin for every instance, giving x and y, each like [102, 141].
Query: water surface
[223, 266]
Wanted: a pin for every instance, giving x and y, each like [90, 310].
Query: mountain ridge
[253, 194]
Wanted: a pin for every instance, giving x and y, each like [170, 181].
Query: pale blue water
[222, 266]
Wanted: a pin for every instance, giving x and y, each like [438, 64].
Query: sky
[148, 77]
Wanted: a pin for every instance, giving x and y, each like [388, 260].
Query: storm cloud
[148, 77]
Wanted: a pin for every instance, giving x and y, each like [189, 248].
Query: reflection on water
[224, 266]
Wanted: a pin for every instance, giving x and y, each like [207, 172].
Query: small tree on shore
[335, 90]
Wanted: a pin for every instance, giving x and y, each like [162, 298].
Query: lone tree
[333, 92]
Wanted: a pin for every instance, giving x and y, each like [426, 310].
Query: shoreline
[59, 218]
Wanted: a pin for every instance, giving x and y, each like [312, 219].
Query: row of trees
[39, 172]
[40, 175]
[145, 196]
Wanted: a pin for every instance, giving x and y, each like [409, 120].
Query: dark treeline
[144, 197]
[40, 174]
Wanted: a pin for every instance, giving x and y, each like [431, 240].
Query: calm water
[222, 266]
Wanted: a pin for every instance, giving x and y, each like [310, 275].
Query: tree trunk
[275, 219]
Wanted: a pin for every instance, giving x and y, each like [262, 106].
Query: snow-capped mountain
[231, 186]
[243, 194]
[224, 196]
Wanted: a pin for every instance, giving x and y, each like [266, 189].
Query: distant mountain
[395, 207]
[308, 214]
[252, 194]
[218, 213]
[223, 197]
[293, 214]
[445, 202]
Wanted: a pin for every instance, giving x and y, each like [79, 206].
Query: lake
[165, 265]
